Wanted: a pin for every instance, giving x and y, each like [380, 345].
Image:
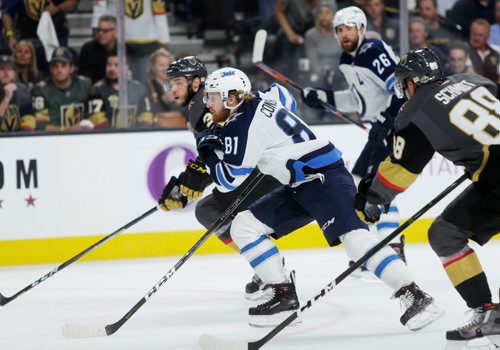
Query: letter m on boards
[26, 175]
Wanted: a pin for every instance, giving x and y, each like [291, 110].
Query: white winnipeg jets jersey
[370, 75]
[264, 133]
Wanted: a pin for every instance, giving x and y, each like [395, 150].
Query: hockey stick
[5, 300]
[208, 342]
[83, 331]
[257, 59]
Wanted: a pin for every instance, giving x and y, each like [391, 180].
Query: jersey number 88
[478, 117]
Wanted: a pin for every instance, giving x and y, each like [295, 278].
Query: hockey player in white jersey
[368, 66]
[260, 131]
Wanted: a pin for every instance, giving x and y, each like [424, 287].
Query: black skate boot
[399, 248]
[485, 321]
[282, 304]
[420, 308]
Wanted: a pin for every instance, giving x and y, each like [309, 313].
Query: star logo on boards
[30, 201]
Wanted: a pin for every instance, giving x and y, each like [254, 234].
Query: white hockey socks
[385, 264]
[251, 236]
[388, 223]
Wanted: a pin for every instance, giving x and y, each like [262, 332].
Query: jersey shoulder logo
[365, 48]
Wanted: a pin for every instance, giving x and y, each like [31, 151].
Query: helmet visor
[399, 88]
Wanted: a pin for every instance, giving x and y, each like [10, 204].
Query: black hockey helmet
[188, 67]
[420, 66]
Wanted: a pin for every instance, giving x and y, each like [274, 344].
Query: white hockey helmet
[351, 16]
[226, 80]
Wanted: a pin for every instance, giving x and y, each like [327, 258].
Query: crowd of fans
[70, 90]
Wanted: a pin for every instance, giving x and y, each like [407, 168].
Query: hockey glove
[313, 97]
[171, 198]
[381, 129]
[367, 212]
[193, 180]
[208, 141]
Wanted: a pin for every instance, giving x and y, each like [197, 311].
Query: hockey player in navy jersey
[259, 131]
[185, 78]
[368, 66]
[457, 116]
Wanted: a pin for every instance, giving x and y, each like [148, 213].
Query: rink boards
[60, 194]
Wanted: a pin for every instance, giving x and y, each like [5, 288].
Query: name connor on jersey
[449, 93]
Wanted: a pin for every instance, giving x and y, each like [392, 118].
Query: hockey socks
[251, 236]
[385, 264]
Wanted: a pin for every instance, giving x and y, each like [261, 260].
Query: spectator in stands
[16, 112]
[495, 28]
[93, 55]
[25, 59]
[418, 38]
[103, 100]
[294, 18]
[465, 11]
[440, 31]
[322, 48]
[146, 30]
[59, 100]
[166, 113]
[485, 58]
[20, 20]
[458, 60]
[379, 22]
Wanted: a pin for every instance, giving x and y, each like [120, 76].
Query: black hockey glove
[367, 212]
[314, 96]
[381, 129]
[209, 141]
[171, 198]
[193, 180]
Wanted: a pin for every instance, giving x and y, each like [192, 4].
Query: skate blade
[491, 342]
[272, 320]
[430, 314]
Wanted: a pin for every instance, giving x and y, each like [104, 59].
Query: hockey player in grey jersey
[368, 67]
[459, 117]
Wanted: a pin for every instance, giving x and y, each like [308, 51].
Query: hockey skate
[399, 248]
[283, 303]
[485, 322]
[254, 290]
[420, 310]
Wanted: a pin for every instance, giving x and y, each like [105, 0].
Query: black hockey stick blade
[5, 300]
[84, 331]
[208, 342]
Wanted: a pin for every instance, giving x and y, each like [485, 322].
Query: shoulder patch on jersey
[365, 47]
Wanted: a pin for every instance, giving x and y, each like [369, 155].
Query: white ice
[206, 297]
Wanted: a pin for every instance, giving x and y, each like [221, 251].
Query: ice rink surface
[206, 297]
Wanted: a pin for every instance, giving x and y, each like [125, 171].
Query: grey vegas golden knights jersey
[460, 119]
[103, 105]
